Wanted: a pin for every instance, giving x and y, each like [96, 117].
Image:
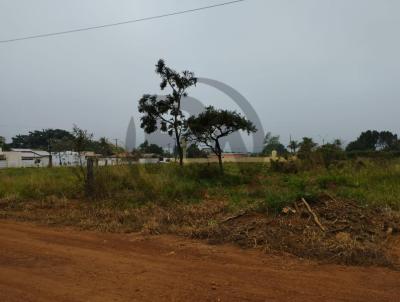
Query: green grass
[376, 182]
[34, 183]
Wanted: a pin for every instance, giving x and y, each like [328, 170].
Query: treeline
[59, 140]
[369, 142]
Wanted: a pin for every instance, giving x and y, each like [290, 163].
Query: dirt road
[45, 264]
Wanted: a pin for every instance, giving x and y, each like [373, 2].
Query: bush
[289, 166]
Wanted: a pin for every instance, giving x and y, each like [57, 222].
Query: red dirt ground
[46, 264]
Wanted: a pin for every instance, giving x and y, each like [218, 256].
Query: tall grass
[37, 183]
[375, 182]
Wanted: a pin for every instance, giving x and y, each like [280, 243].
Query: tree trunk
[50, 161]
[181, 158]
[219, 155]
[221, 167]
[180, 151]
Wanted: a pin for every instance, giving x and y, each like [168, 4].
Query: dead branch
[234, 217]
[316, 220]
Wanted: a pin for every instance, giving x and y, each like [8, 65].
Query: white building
[73, 159]
[149, 158]
[3, 161]
[23, 158]
[68, 158]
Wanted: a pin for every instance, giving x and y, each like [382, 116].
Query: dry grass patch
[353, 234]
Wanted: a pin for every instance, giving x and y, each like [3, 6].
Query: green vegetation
[210, 126]
[193, 151]
[166, 113]
[369, 182]
[272, 143]
[59, 140]
[373, 140]
[352, 200]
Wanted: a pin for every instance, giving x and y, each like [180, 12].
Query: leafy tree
[40, 139]
[293, 146]
[331, 152]
[306, 147]
[212, 124]
[3, 144]
[165, 112]
[193, 151]
[151, 148]
[60, 145]
[81, 139]
[272, 143]
[105, 147]
[367, 141]
[373, 140]
[387, 141]
[43, 139]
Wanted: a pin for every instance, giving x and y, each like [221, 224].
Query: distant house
[22, 158]
[67, 158]
[3, 161]
[149, 158]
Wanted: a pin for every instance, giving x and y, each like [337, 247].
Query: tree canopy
[306, 147]
[193, 151]
[40, 139]
[165, 113]
[58, 140]
[373, 140]
[213, 124]
[272, 143]
[151, 148]
[293, 146]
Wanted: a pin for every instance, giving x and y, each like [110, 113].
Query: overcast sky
[319, 68]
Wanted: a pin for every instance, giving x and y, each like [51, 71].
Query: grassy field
[374, 182]
[357, 201]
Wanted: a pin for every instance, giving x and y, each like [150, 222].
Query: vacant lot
[369, 182]
[252, 205]
[41, 264]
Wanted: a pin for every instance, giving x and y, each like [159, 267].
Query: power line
[121, 23]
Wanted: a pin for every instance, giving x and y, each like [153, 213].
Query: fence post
[89, 186]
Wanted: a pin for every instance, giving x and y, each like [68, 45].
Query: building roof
[31, 153]
[21, 150]
[41, 153]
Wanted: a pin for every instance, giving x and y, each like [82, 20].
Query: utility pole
[116, 149]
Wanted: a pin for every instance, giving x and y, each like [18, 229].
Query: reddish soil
[45, 264]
